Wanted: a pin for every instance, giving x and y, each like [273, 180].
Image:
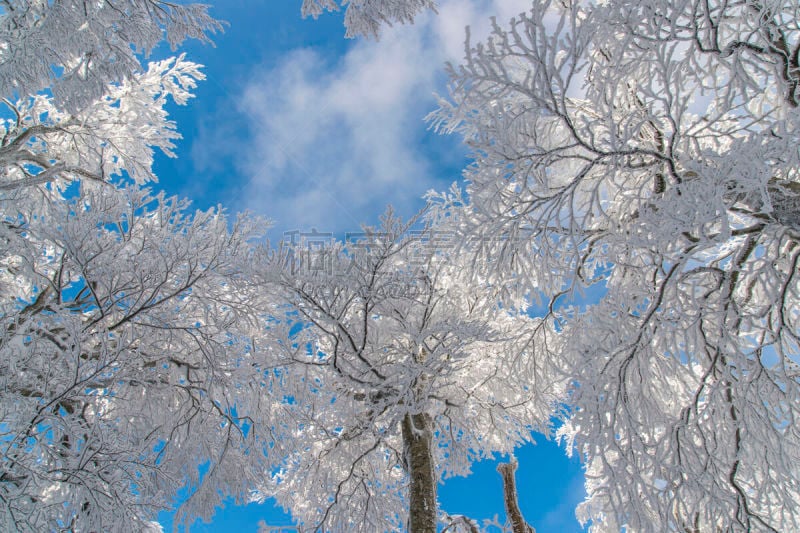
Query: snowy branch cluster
[75, 47]
[366, 370]
[121, 312]
[645, 153]
[366, 17]
[651, 150]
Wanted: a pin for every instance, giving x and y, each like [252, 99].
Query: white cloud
[333, 142]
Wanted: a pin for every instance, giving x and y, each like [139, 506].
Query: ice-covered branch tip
[366, 17]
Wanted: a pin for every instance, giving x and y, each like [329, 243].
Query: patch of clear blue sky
[259, 36]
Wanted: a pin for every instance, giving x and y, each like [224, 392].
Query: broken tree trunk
[518, 523]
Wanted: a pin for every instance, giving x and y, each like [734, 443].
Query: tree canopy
[397, 372]
[123, 317]
[651, 149]
[644, 152]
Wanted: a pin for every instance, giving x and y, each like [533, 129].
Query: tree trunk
[417, 438]
[518, 523]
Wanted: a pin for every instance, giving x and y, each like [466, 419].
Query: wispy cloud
[331, 141]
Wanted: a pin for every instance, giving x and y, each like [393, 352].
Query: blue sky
[311, 130]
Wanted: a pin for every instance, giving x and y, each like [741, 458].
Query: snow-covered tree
[649, 151]
[75, 48]
[396, 373]
[120, 361]
[124, 347]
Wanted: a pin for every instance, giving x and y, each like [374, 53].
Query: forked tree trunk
[417, 439]
[518, 523]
